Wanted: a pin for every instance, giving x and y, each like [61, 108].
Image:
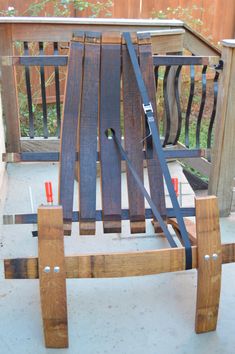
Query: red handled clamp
[49, 194]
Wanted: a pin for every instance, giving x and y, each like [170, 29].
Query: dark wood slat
[32, 218]
[69, 129]
[110, 118]
[154, 170]
[181, 60]
[55, 156]
[88, 134]
[133, 142]
[62, 60]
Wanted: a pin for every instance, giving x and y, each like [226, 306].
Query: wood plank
[133, 145]
[190, 227]
[209, 264]
[107, 265]
[110, 118]
[223, 152]
[27, 268]
[153, 165]
[88, 134]
[9, 92]
[68, 145]
[197, 44]
[51, 268]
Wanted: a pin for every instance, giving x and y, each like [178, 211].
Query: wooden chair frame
[52, 267]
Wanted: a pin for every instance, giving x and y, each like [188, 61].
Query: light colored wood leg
[209, 263]
[52, 276]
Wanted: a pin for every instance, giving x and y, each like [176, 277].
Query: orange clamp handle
[49, 194]
[175, 183]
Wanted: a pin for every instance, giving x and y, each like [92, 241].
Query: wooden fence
[210, 13]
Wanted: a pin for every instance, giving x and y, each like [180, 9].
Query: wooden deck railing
[168, 37]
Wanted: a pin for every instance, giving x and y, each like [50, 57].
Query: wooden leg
[209, 264]
[52, 276]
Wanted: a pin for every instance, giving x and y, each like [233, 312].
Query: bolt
[47, 269]
[207, 257]
[214, 256]
[56, 269]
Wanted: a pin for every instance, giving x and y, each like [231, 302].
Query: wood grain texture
[190, 227]
[70, 120]
[110, 118]
[52, 284]
[223, 152]
[133, 142]
[209, 270]
[107, 265]
[154, 169]
[88, 135]
[9, 92]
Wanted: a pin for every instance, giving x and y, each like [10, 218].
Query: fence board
[209, 12]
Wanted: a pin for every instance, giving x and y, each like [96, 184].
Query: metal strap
[143, 190]
[158, 147]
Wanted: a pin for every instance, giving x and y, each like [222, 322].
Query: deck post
[9, 91]
[223, 152]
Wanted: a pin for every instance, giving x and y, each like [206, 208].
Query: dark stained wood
[69, 130]
[110, 118]
[133, 145]
[154, 170]
[88, 134]
[52, 281]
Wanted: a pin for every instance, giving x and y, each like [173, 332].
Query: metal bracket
[147, 107]
[220, 65]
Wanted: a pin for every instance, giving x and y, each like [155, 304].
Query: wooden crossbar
[123, 264]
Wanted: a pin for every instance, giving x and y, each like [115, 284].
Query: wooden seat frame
[51, 266]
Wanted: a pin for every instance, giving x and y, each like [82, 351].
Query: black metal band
[158, 148]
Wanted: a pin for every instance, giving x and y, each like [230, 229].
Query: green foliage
[66, 8]
[187, 14]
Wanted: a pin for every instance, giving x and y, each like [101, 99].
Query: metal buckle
[147, 107]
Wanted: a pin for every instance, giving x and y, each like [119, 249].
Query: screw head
[56, 269]
[207, 257]
[214, 256]
[47, 269]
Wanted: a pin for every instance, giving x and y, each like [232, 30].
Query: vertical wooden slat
[154, 170]
[9, 92]
[110, 118]
[133, 142]
[52, 276]
[88, 134]
[209, 264]
[68, 143]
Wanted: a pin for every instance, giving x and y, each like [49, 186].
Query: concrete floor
[151, 314]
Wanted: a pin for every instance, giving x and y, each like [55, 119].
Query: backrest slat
[110, 160]
[88, 134]
[133, 142]
[154, 170]
[69, 129]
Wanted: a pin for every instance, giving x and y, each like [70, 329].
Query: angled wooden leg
[209, 264]
[52, 276]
